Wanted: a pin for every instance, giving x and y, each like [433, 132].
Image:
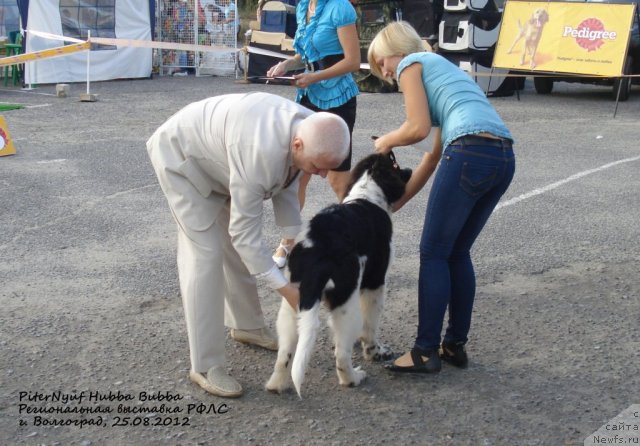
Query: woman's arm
[417, 124]
[293, 63]
[422, 173]
[348, 36]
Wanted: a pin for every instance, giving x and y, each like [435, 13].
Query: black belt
[475, 140]
[323, 63]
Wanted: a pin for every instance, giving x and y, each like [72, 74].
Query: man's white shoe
[217, 382]
[262, 337]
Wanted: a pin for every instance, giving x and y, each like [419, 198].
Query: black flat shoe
[454, 354]
[431, 365]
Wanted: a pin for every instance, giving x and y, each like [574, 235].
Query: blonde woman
[474, 163]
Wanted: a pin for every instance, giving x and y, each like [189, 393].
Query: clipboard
[278, 80]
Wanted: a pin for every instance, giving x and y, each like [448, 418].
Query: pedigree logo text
[590, 34]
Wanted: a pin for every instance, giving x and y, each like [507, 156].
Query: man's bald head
[325, 136]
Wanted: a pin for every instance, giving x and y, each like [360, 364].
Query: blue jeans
[471, 178]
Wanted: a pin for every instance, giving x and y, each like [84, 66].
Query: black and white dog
[345, 254]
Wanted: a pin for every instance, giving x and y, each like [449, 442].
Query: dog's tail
[308, 326]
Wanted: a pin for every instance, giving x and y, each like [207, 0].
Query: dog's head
[540, 17]
[385, 172]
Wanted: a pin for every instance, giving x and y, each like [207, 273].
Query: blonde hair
[325, 135]
[395, 39]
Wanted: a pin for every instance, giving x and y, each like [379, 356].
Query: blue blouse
[318, 39]
[456, 103]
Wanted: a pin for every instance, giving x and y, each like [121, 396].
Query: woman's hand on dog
[381, 144]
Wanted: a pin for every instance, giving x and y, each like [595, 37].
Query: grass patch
[5, 107]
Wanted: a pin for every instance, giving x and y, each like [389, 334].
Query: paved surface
[90, 303]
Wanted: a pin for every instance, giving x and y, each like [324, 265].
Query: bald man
[217, 160]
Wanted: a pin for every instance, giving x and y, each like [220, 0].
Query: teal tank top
[456, 103]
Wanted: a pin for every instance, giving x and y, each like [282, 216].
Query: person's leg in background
[339, 177]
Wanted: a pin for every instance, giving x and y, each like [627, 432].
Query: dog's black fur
[342, 233]
[345, 254]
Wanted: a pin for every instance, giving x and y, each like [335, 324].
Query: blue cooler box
[278, 17]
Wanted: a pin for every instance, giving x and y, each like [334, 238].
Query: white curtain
[132, 21]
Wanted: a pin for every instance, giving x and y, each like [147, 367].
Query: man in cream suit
[217, 160]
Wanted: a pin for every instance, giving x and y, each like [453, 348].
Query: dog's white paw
[376, 352]
[356, 377]
[278, 383]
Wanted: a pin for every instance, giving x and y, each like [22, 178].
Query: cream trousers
[217, 290]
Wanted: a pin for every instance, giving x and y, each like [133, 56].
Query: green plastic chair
[13, 49]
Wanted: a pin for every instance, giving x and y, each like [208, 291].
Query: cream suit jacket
[236, 147]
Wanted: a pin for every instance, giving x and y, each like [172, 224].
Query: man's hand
[291, 294]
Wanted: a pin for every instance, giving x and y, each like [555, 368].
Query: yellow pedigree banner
[6, 143]
[559, 37]
[45, 54]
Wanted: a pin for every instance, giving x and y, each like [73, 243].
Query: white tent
[121, 19]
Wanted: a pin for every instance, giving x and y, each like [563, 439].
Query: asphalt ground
[90, 303]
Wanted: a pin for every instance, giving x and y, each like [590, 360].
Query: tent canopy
[133, 19]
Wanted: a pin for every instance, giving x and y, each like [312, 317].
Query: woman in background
[327, 46]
